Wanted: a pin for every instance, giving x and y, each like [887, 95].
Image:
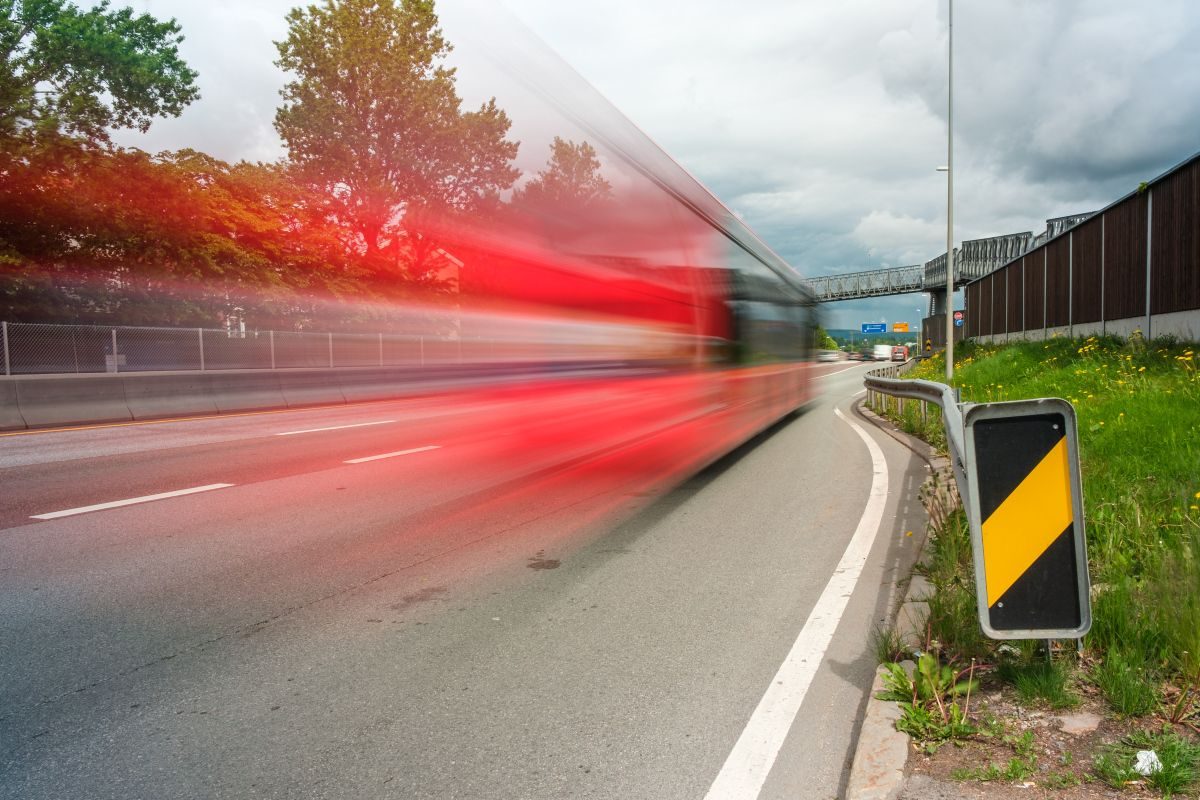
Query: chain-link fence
[44, 349]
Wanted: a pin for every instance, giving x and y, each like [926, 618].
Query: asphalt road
[490, 617]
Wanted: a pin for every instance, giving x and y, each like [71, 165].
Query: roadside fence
[46, 349]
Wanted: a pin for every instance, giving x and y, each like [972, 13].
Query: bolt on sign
[1025, 506]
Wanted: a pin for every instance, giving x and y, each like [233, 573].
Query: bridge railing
[871, 283]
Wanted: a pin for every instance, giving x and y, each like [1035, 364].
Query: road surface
[384, 601]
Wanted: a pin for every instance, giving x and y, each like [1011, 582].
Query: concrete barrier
[10, 410]
[157, 396]
[245, 391]
[39, 401]
[310, 388]
[49, 400]
[364, 385]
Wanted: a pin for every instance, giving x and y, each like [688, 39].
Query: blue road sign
[874, 327]
[958, 323]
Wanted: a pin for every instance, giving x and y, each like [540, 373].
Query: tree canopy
[82, 73]
[372, 119]
[571, 179]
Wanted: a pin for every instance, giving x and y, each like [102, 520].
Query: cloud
[819, 122]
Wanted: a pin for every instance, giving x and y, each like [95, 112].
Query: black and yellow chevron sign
[1027, 515]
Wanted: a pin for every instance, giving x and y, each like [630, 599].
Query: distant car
[882, 352]
[899, 353]
[829, 355]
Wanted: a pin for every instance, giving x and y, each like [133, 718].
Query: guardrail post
[116, 366]
[271, 336]
[4, 336]
[200, 338]
[331, 349]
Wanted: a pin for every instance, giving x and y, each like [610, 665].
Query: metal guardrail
[1017, 437]
[884, 381]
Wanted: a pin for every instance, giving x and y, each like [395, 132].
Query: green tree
[823, 340]
[372, 119]
[571, 179]
[82, 73]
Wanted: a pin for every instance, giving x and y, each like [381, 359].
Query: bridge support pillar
[937, 303]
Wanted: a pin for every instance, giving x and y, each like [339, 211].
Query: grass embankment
[1138, 406]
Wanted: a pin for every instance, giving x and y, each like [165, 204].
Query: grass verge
[1138, 408]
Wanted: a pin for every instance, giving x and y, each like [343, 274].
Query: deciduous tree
[372, 118]
[571, 180]
[82, 73]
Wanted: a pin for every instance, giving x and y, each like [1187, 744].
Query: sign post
[958, 319]
[1025, 508]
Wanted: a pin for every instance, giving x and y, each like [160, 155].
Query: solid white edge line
[336, 427]
[392, 455]
[746, 769]
[70, 512]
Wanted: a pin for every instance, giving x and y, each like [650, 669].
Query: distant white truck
[882, 352]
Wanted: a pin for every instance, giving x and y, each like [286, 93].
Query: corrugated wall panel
[985, 306]
[1125, 259]
[1015, 297]
[1085, 278]
[1000, 301]
[1058, 278]
[1034, 288]
[972, 311]
[1175, 242]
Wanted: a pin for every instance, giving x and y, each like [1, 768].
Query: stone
[1079, 723]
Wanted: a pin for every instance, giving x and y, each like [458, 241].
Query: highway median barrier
[50, 400]
[364, 385]
[245, 391]
[310, 388]
[158, 396]
[10, 411]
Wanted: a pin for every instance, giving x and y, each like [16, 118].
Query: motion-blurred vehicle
[882, 352]
[828, 356]
[899, 353]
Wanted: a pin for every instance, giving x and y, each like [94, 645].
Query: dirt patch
[1025, 751]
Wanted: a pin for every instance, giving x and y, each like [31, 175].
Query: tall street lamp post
[950, 197]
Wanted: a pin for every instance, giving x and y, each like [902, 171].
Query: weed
[991, 726]
[1060, 780]
[953, 619]
[1180, 760]
[1128, 687]
[1040, 681]
[887, 644]
[930, 727]
[1017, 769]
[928, 712]
[1114, 769]
[1022, 745]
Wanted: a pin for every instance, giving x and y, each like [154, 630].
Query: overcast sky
[820, 122]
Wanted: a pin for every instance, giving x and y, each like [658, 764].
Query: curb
[881, 753]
